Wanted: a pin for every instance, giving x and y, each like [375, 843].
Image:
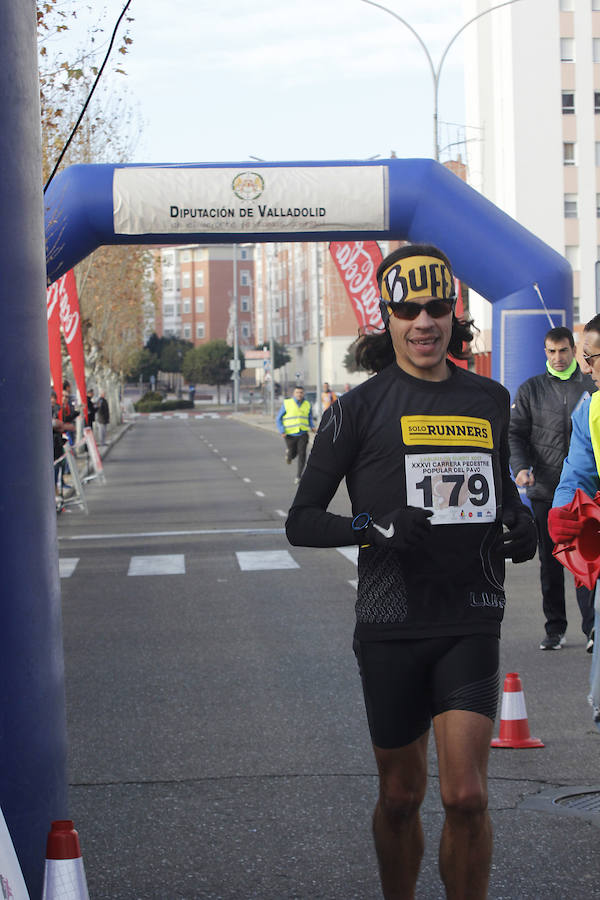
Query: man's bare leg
[463, 742]
[396, 822]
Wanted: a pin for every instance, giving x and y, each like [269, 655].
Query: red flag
[52, 304]
[70, 320]
[357, 263]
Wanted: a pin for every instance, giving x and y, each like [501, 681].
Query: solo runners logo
[453, 431]
[248, 185]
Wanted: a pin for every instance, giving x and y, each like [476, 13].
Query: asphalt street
[218, 744]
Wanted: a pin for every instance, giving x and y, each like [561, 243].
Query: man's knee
[398, 803]
[465, 800]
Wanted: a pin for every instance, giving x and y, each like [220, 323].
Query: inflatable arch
[527, 282]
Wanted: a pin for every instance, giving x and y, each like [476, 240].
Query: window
[245, 330]
[199, 329]
[245, 304]
[167, 284]
[186, 256]
[566, 5]
[187, 306]
[244, 277]
[199, 278]
[597, 101]
[596, 50]
[185, 279]
[567, 49]
[568, 153]
[187, 331]
[572, 256]
[568, 102]
[168, 310]
[570, 202]
[199, 304]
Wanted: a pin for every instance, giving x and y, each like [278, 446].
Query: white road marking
[281, 513]
[150, 534]
[247, 480]
[67, 566]
[167, 564]
[259, 493]
[350, 553]
[255, 560]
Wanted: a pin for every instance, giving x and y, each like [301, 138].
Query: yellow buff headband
[414, 277]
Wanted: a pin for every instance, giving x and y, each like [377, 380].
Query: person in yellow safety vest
[581, 469]
[294, 421]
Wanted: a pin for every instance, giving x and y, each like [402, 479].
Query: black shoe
[590, 642]
[553, 642]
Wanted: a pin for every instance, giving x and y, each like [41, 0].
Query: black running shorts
[408, 682]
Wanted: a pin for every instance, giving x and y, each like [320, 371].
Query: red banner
[70, 320]
[357, 263]
[54, 339]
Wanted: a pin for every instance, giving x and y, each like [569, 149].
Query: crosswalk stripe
[167, 564]
[67, 565]
[255, 560]
[350, 553]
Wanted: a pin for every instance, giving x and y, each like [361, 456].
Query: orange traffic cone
[514, 727]
[64, 875]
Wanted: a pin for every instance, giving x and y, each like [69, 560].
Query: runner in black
[424, 451]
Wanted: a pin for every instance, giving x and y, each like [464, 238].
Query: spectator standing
[423, 446]
[327, 397]
[91, 408]
[539, 433]
[69, 413]
[581, 469]
[102, 418]
[294, 421]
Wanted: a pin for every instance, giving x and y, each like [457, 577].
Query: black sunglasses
[435, 308]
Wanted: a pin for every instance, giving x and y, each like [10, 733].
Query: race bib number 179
[457, 487]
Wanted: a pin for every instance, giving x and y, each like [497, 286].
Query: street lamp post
[436, 73]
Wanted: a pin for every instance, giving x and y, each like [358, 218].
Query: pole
[435, 73]
[317, 326]
[271, 341]
[33, 742]
[236, 363]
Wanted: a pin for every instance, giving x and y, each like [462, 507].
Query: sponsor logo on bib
[447, 431]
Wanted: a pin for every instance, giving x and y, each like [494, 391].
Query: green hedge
[150, 405]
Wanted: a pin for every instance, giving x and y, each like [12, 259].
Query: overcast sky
[286, 79]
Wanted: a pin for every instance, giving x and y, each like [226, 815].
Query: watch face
[360, 522]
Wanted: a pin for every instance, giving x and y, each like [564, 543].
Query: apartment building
[300, 293]
[532, 82]
[197, 289]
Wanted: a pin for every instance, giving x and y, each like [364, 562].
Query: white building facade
[532, 77]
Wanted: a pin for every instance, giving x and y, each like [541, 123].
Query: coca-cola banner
[357, 263]
[54, 339]
[70, 321]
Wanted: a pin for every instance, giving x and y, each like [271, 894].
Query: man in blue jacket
[539, 432]
[581, 470]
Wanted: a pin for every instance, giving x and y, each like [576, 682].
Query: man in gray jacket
[539, 433]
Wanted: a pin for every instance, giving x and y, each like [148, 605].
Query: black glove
[520, 541]
[400, 529]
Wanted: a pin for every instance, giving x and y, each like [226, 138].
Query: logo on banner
[357, 263]
[69, 318]
[248, 185]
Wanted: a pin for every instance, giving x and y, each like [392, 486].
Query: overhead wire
[89, 97]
